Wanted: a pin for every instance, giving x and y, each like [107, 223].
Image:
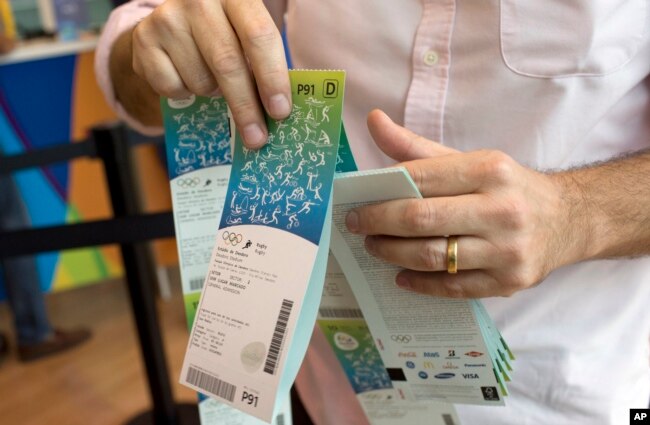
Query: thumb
[400, 143]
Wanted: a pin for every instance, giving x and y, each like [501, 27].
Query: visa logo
[470, 375]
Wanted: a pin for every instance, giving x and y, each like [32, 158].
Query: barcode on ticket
[275, 349]
[211, 384]
[340, 313]
[196, 283]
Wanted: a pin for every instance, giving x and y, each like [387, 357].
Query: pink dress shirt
[554, 84]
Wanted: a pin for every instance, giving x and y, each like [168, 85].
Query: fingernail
[279, 106]
[402, 282]
[352, 221]
[254, 136]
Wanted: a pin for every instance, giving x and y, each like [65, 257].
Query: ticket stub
[342, 322]
[197, 141]
[432, 348]
[261, 293]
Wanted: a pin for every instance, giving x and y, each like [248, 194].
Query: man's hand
[514, 225]
[199, 46]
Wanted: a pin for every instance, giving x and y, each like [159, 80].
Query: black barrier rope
[61, 152]
[47, 156]
[131, 229]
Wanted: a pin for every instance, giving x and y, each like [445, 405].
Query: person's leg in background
[36, 337]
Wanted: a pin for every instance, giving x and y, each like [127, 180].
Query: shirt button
[430, 58]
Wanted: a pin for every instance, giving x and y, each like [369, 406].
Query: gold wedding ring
[452, 254]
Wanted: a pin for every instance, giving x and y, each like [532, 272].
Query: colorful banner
[44, 103]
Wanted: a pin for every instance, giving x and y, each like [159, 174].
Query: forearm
[134, 93]
[608, 205]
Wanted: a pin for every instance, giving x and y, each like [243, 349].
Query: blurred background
[49, 98]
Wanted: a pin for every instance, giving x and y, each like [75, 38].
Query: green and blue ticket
[253, 241]
[261, 294]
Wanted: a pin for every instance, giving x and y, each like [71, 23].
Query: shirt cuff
[121, 19]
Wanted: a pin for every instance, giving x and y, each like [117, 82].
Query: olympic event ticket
[261, 294]
[197, 139]
[344, 326]
[345, 329]
[432, 348]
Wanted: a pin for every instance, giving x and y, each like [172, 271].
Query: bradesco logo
[446, 375]
[451, 354]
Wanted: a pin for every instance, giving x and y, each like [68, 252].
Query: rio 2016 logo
[232, 238]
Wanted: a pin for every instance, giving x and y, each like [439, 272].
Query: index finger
[459, 173]
[219, 45]
[262, 44]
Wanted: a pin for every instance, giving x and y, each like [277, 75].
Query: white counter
[45, 49]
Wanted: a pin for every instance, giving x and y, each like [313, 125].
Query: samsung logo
[445, 375]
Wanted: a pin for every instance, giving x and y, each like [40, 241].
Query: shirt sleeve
[121, 19]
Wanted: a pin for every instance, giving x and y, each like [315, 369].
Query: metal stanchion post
[113, 150]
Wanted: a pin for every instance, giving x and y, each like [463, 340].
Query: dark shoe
[60, 341]
[4, 347]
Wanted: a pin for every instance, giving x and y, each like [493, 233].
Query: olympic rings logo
[401, 338]
[232, 238]
[188, 182]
